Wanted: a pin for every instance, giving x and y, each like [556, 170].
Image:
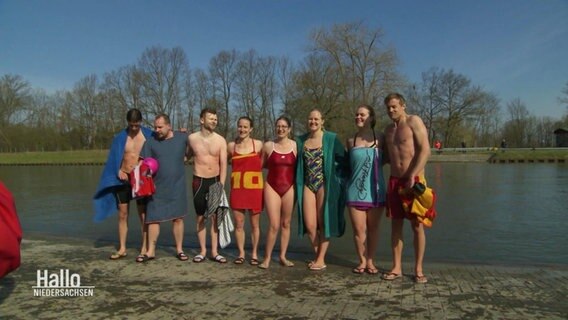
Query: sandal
[182, 256]
[372, 271]
[219, 258]
[239, 260]
[117, 255]
[389, 276]
[198, 258]
[359, 270]
[140, 258]
[315, 267]
[420, 279]
[254, 262]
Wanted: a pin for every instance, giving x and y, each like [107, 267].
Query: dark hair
[134, 115]
[285, 119]
[371, 114]
[395, 95]
[163, 116]
[318, 110]
[207, 110]
[248, 119]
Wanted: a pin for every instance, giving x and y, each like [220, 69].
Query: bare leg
[153, 233]
[240, 231]
[359, 223]
[201, 234]
[285, 217]
[177, 230]
[214, 236]
[255, 234]
[122, 227]
[310, 217]
[396, 245]
[323, 244]
[419, 246]
[373, 222]
[272, 203]
[142, 216]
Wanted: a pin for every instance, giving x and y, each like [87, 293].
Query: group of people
[316, 173]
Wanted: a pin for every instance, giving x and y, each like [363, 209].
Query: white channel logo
[61, 284]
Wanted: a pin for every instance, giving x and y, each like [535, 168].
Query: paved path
[166, 288]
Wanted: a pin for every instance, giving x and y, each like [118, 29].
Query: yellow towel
[419, 206]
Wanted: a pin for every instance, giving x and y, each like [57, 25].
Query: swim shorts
[394, 200]
[200, 193]
[123, 194]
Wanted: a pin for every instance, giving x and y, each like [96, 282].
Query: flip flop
[359, 270]
[254, 262]
[219, 258]
[263, 266]
[315, 267]
[117, 255]
[182, 256]
[420, 279]
[372, 271]
[389, 276]
[239, 260]
[140, 258]
[198, 258]
[146, 258]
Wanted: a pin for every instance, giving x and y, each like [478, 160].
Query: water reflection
[490, 213]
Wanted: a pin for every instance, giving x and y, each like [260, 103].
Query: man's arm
[188, 149]
[421, 148]
[223, 161]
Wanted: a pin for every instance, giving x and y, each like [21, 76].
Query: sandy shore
[166, 288]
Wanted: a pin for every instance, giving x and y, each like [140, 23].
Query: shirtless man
[126, 145]
[408, 149]
[209, 152]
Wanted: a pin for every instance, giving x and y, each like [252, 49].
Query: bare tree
[222, 69]
[246, 83]
[161, 79]
[318, 86]
[366, 67]
[460, 100]
[286, 70]
[14, 96]
[516, 129]
[425, 100]
[267, 92]
[563, 99]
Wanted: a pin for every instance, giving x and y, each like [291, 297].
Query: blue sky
[514, 48]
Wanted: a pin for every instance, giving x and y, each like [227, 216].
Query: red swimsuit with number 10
[281, 170]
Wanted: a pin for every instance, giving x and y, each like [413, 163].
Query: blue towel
[104, 201]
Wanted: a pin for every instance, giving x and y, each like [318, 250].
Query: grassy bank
[61, 157]
[453, 155]
[542, 154]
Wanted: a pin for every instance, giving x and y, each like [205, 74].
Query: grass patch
[529, 154]
[56, 157]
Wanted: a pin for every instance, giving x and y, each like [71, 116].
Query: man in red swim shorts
[408, 149]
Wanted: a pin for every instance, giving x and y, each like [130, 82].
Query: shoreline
[231, 252]
[489, 155]
[168, 288]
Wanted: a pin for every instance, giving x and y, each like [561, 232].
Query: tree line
[345, 65]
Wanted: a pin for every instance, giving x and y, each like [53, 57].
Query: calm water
[487, 213]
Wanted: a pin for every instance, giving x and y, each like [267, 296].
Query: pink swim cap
[152, 164]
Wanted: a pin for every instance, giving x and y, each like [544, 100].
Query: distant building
[561, 137]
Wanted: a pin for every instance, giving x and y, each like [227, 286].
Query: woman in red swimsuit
[280, 160]
[246, 186]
